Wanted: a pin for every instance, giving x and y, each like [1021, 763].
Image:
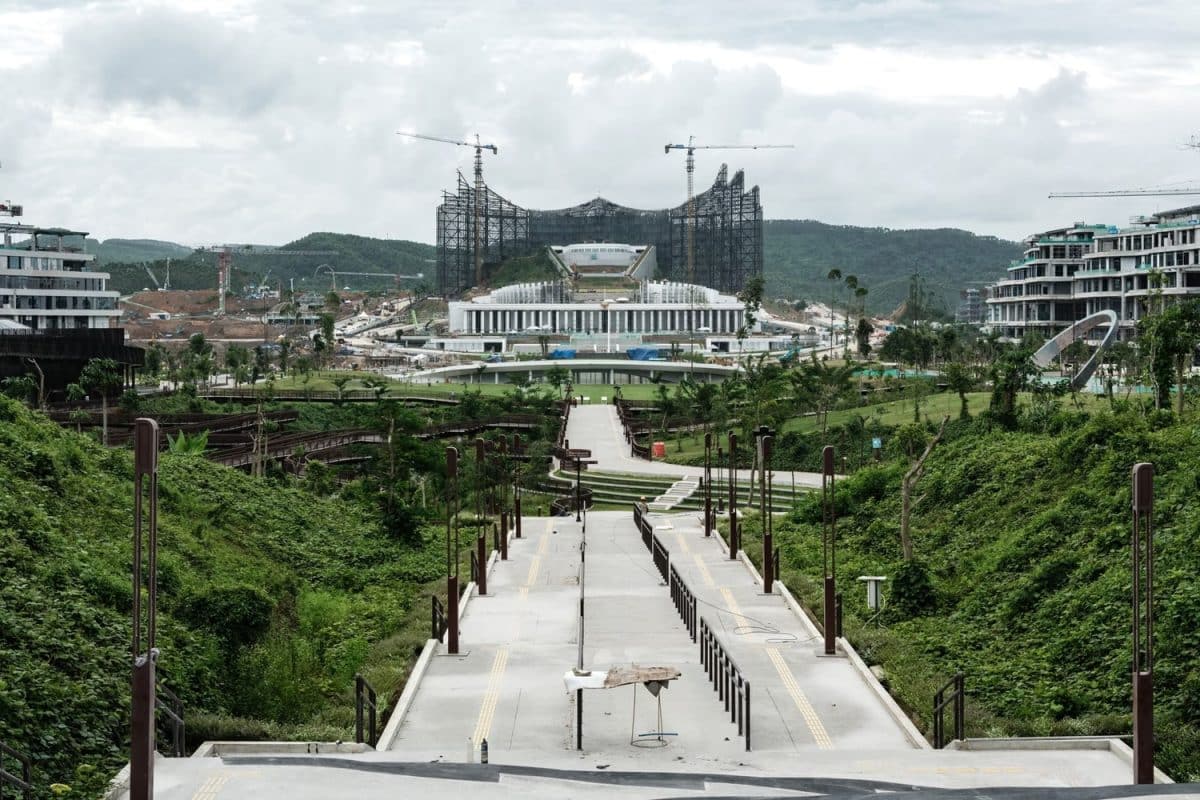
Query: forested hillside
[271, 598]
[354, 254]
[798, 255]
[135, 250]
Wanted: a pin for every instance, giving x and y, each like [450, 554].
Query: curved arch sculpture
[1051, 349]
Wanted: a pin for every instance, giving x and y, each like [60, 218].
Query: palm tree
[851, 287]
[102, 375]
[835, 274]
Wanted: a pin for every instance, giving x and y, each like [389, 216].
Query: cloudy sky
[204, 121]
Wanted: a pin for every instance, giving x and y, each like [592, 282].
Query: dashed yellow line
[210, 788]
[815, 726]
[491, 697]
[683, 545]
[732, 604]
[704, 573]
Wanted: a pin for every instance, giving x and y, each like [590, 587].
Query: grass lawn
[895, 412]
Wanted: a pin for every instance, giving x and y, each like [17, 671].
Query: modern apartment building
[46, 281]
[1154, 261]
[1038, 296]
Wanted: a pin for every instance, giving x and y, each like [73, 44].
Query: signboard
[877, 443]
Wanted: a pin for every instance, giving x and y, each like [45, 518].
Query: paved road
[598, 428]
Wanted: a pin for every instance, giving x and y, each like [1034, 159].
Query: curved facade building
[727, 240]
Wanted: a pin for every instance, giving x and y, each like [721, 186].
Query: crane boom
[476, 143]
[479, 148]
[691, 147]
[1128, 193]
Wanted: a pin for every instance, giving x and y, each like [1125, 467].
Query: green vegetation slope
[798, 254]
[1021, 576]
[271, 598]
[354, 254]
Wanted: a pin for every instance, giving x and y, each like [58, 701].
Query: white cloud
[260, 120]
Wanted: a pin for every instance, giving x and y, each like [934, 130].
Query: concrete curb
[218, 749]
[797, 609]
[400, 710]
[914, 736]
[1112, 744]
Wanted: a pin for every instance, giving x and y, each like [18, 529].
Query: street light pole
[578, 489]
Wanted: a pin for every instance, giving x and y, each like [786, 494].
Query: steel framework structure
[728, 236]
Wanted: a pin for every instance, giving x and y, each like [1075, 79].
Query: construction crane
[333, 281]
[157, 285]
[1129, 193]
[691, 147]
[479, 148]
[225, 262]
[9, 209]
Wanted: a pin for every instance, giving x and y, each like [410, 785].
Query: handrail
[438, 621]
[662, 559]
[172, 708]
[940, 701]
[364, 701]
[685, 601]
[23, 784]
[727, 679]
[565, 504]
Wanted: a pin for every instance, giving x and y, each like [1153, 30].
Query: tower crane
[225, 262]
[9, 209]
[333, 275]
[479, 148]
[691, 147]
[1128, 193]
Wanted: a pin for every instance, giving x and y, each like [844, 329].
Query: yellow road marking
[732, 604]
[815, 726]
[524, 592]
[483, 725]
[210, 788]
[683, 545]
[700, 565]
[534, 566]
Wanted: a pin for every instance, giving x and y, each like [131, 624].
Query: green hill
[354, 254]
[271, 597]
[135, 250]
[1022, 573]
[798, 254]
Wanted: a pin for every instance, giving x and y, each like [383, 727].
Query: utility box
[874, 590]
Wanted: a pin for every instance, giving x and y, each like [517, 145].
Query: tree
[333, 302]
[339, 385]
[862, 334]
[237, 360]
[907, 485]
[285, 354]
[558, 376]
[960, 380]
[1011, 374]
[327, 334]
[155, 357]
[751, 297]
[1169, 340]
[20, 387]
[834, 275]
[102, 376]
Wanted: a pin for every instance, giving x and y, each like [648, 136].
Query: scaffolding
[728, 236]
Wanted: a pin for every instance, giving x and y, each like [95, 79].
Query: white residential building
[1039, 295]
[46, 282]
[1155, 260]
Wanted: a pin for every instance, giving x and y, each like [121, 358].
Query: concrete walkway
[598, 428]
[818, 725]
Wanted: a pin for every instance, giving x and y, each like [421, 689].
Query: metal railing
[561, 506]
[727, 679]
[170, 709]
[643, 525]
[662, 559]
[957, 698]
[24, 783]
[438, 622]
[364, 707]
[684, 600]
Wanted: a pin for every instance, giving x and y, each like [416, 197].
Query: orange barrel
[659, 450]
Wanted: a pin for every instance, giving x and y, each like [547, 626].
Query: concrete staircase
[680, 490]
